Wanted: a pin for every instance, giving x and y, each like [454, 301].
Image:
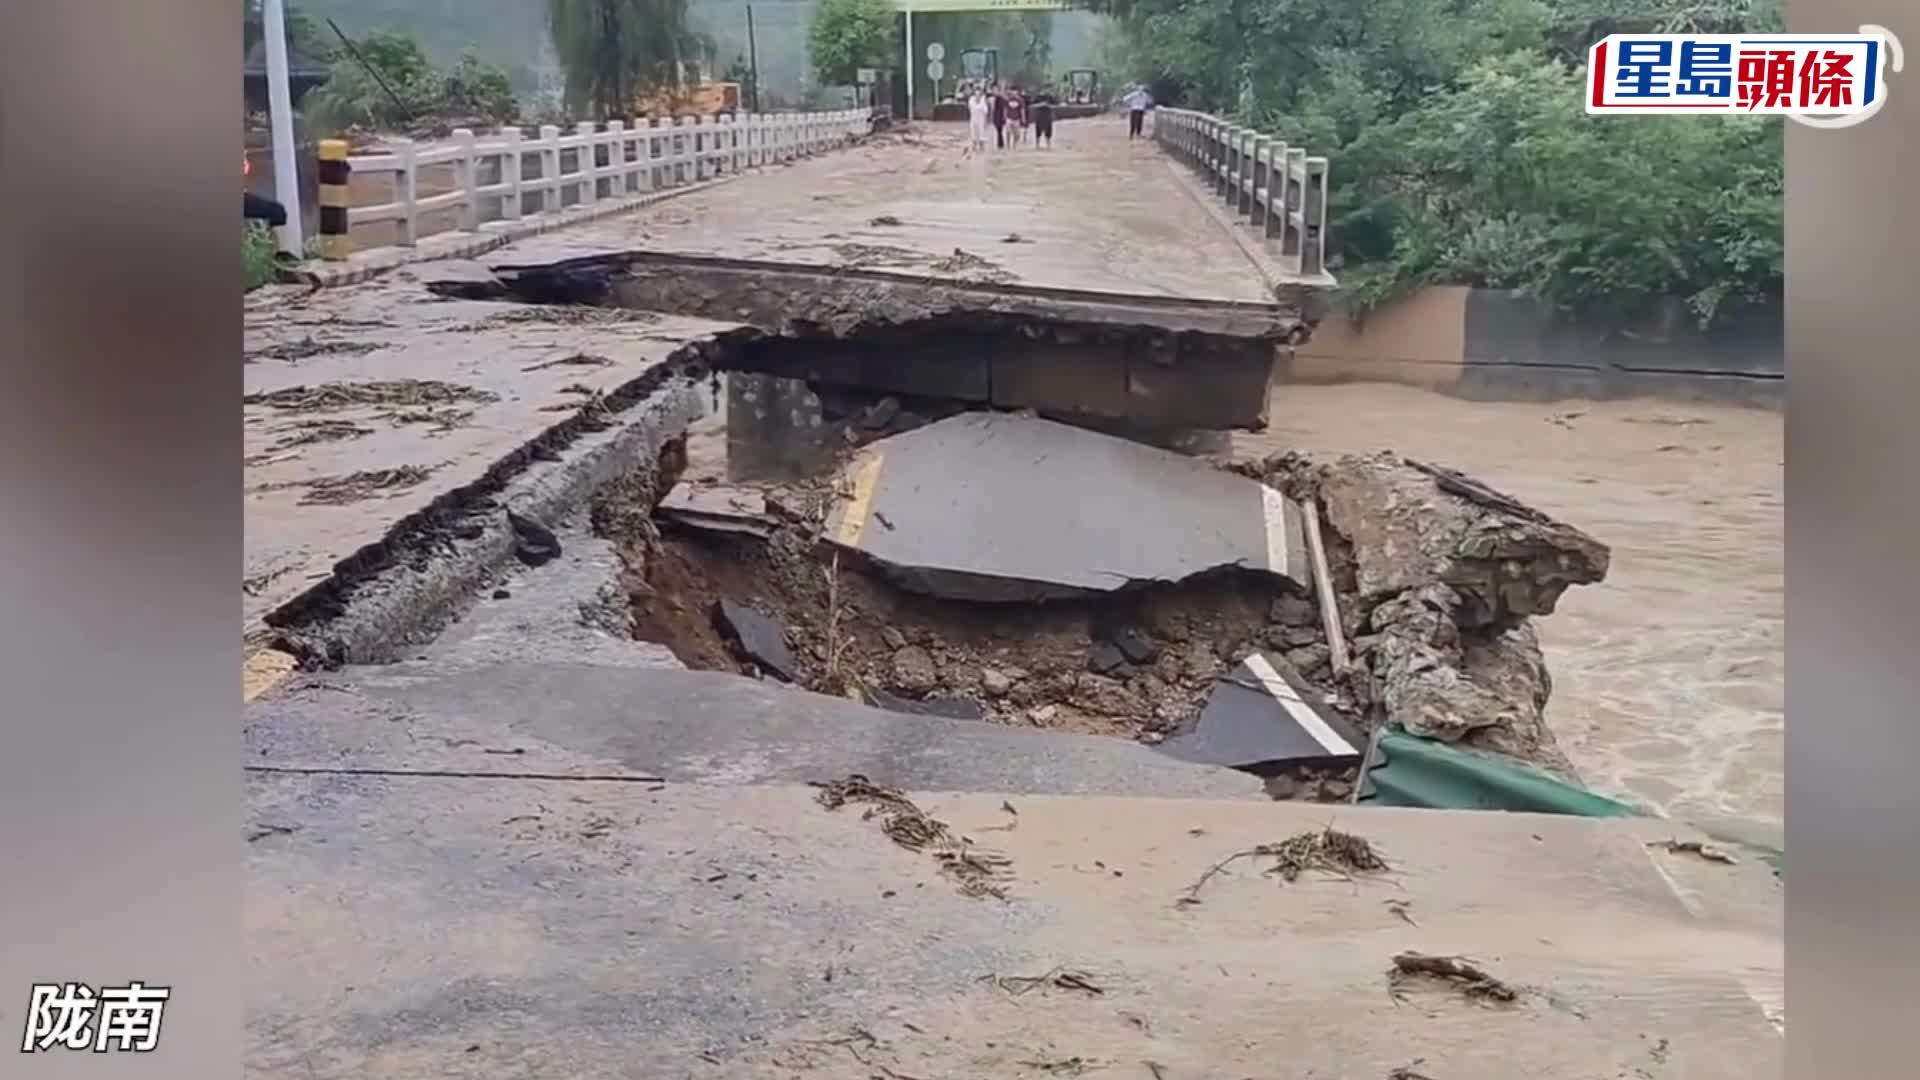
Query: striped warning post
[333, 173]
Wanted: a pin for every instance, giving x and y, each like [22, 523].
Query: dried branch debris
[1695, 847]
[1344, 855]
[977, 872]
[1060, 978]
[1456, 971]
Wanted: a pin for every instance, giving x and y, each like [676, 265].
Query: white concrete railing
[1276, 188]
[510, 176]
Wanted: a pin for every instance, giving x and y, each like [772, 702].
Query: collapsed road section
[1010, 569]
[968, 548]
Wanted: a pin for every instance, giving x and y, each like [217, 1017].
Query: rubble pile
[1438, 577]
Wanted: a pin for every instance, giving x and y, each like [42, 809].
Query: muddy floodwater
[1668, 676]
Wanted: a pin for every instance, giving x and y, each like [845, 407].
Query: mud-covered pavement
[1096, 212]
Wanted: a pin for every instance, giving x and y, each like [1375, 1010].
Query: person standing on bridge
[1138, 102]
[999, 102]
[1042, 106]
[977, 115]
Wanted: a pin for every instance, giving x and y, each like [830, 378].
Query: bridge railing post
[616, 159]
[587, 174]
[1230, 190]
[549, 168]
[406, 191]
[1223, 172]
[1313, 249]
[1276, 210]
[679, 142]
[1229, 143]
[467, 166]
[1256, 203]
[1249, 168]
[1216, 154]
[636, 131]
[642, 154]
[702, 149]
[655, 155]
[510, 173]
[1290, 238]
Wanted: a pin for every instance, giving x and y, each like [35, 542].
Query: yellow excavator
[691, 95]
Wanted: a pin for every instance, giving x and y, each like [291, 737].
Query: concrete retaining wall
[1482, 343]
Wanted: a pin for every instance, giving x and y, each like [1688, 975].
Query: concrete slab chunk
[1258, 716]
[718, 508]
[992, 506]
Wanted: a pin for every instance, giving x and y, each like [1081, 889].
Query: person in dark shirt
[1042, 106]
[999, 117]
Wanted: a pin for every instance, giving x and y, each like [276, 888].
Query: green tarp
[1416, 772]
[1412, 771]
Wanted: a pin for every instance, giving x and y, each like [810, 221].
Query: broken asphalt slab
[758, 637]
[1005, 507]
[640, 720]
[1260, 716]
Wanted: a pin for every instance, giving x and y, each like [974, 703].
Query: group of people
[1009, 111]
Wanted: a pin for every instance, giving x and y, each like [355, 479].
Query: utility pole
[753, 61]
[286, 171]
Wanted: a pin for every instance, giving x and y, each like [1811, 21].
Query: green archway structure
[911, 7]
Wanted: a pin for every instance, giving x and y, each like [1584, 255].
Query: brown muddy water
[1668, 676]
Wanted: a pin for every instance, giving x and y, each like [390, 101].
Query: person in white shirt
[1138, 102]
[979, 114]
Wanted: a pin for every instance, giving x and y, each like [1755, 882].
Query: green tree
[352, 97]
[408, 87]
[477, 88]
[847, 35]
[614, 50]
[304, 35]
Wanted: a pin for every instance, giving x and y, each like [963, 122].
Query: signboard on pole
[936, 52]
[867, 76]
[936, 70]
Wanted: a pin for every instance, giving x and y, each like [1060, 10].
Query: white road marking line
[1297, 708]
